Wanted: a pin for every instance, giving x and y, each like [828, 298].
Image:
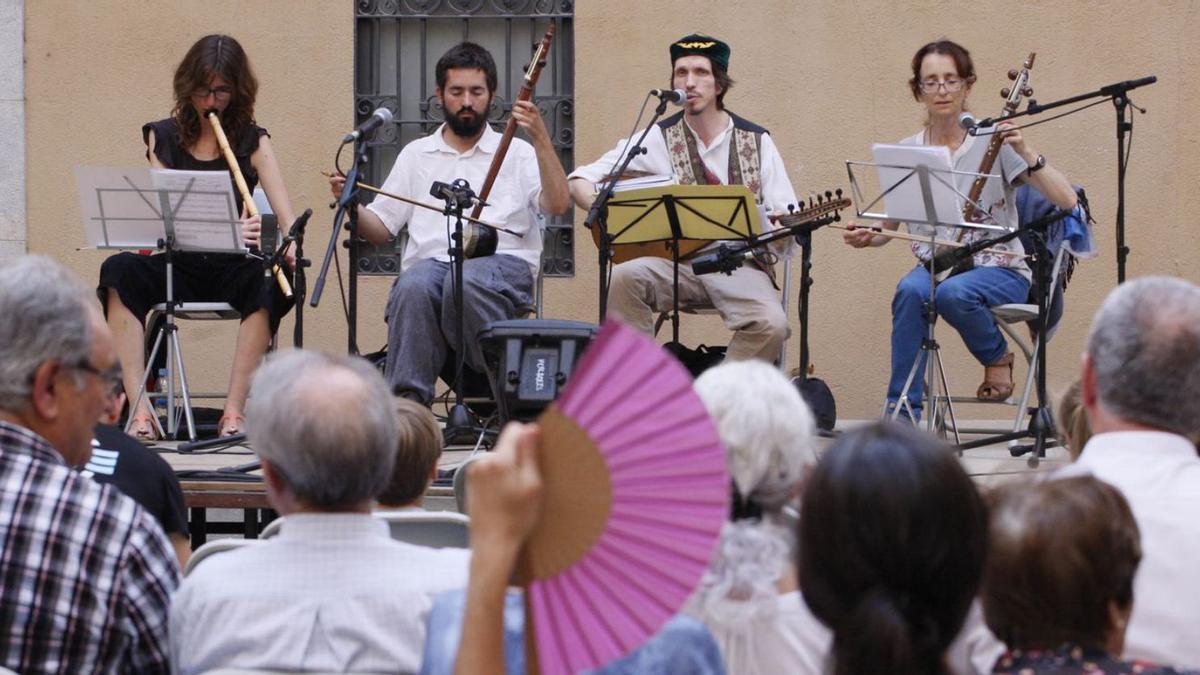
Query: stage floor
[220, 488]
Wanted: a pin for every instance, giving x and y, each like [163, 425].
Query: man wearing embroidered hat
[704, 144]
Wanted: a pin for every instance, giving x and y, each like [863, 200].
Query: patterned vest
[745, 165]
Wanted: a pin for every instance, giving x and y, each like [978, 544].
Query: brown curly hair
[215, 55]
[962, 61]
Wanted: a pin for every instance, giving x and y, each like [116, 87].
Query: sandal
[231, 424]
[994, 388]
[143, 429]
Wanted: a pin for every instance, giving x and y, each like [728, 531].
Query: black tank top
[168, 150]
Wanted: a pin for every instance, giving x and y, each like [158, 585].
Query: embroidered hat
[703, 45]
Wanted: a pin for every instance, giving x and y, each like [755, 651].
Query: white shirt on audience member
[331, 592]
[513, 201]
[1159, 475]
[789, 638]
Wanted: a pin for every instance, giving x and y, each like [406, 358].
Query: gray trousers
[422, 324]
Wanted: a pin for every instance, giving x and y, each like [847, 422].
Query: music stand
[916, 185]
[674, 212]
[172, 211]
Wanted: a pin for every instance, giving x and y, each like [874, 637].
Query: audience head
[892, 542]
[1060, 564]
[418, 447]
[57, 359]
[1073, 428]
[767, 430]
[766, 427]
[1143, 358]
[325, 429]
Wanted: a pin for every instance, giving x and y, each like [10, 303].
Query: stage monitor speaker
[529, 360]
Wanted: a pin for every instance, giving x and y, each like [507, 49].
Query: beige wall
[827, 81]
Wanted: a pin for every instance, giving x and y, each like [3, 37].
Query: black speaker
[529, 360]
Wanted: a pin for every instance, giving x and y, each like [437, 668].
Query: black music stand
[669, 214]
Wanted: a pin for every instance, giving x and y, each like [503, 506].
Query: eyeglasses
[111, 376]
[221, 93]
[952, 85]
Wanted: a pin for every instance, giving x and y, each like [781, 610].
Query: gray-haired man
[85, 573]
[332, 592]
[1141, 388]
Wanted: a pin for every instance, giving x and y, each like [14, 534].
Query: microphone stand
[347, 207]
[728, 258]
[1119, 93]
[458, 196]
[295, 236]
[598, 214]
[1041, 422]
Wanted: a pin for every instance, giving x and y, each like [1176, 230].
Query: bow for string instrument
[482, 240]
[948, 262]
[215, 120]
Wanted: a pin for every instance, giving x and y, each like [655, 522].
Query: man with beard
[422, 324]
[705, 144]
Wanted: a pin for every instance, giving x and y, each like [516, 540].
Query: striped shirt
[85, 573]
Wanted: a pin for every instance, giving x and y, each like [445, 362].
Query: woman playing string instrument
[214, 74]
[943, 75]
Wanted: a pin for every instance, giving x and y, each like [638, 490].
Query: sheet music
[123, 208]
[902, 191]
[203, 207]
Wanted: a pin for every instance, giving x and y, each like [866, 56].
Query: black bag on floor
[819, 398]
[696, 360]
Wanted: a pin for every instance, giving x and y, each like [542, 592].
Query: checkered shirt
[85, 574]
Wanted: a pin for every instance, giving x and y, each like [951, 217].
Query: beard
[467, 126]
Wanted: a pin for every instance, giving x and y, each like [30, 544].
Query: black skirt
[141, 283]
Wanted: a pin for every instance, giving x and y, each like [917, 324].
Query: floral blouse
[1070, 659]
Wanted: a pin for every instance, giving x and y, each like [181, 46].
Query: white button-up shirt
[330, 593]
[1159, 475]
[513, 200]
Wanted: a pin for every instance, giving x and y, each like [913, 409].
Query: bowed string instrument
[481, 240]
[945, 263]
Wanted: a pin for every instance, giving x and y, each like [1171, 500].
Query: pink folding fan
[635, 494]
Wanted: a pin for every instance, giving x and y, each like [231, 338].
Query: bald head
[1143, 355]
[326, 426]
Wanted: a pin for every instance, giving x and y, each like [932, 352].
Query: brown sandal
[231, 424]
[993, 388]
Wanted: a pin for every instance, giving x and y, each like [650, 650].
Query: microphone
[377, 119]
[967, 121]
[725, 260]
[676, 96]
[1122, 87]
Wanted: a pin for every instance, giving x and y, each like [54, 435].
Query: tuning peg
[810, 200]
[828, 195]
[791, 208]
[1004, 92]
[838, 192]
[1012, 75]
[1027, 92]
[837, 216]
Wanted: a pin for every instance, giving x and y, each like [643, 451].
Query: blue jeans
[963, 301]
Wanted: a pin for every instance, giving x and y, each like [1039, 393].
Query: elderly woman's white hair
[768, 432]
[766, 427]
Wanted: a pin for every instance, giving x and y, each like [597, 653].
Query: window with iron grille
[396, 46]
